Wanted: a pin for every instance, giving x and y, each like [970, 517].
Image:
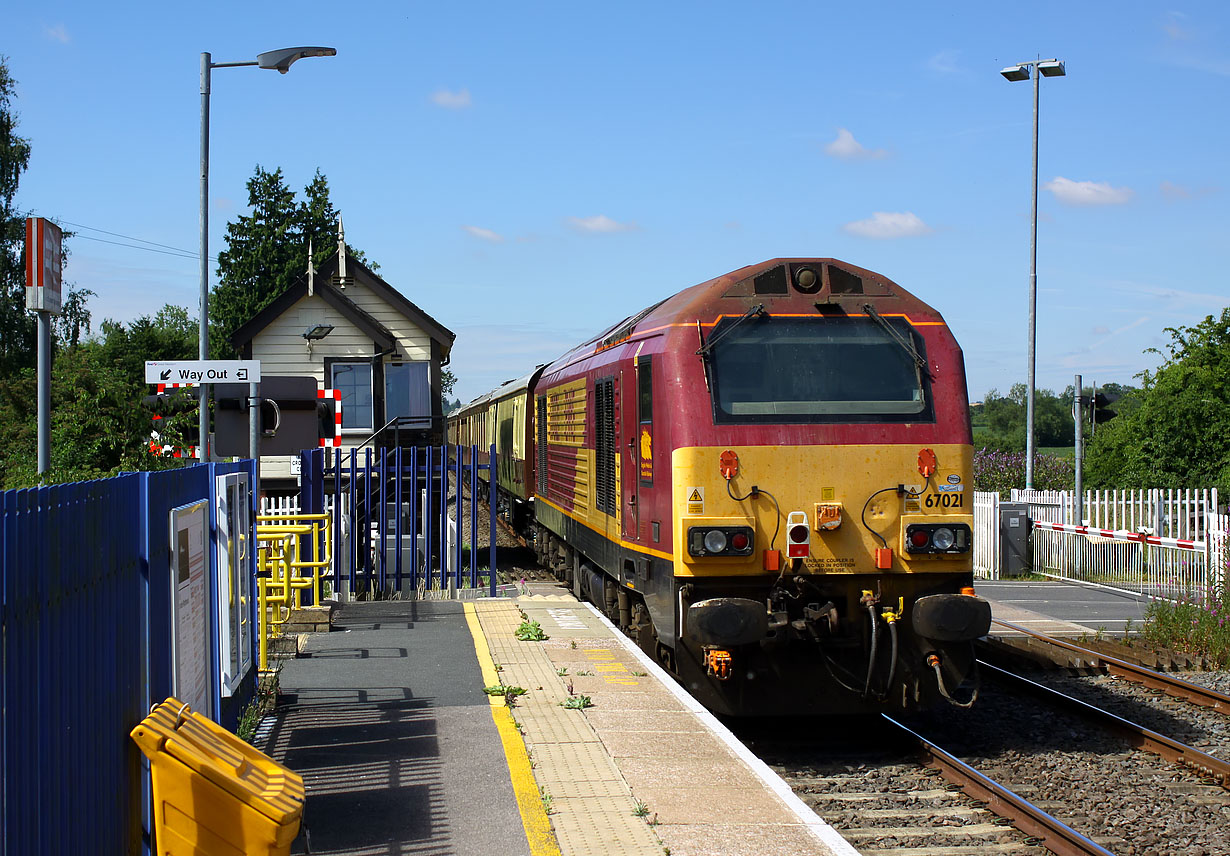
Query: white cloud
[884, 225]
[459, 100]
[600, 224]
[848, 148]
[58, 33]
[1175, 191]
[1088, 192]
[485, 234]
[944, 62]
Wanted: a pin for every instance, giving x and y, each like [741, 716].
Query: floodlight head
[1051, 68]
[282, 59]
[1015, 72]
[318, 331]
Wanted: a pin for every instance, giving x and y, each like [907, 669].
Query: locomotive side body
[766, 480]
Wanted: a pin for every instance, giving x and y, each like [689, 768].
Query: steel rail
[1056, 835]
[1176, 687]
[1139, 736]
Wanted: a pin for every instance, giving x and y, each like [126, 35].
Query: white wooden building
[355, 333]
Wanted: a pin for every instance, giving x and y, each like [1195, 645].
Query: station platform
[1062, 608]
[402, 752]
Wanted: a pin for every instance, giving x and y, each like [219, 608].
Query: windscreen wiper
[755, 311]
[896, 336]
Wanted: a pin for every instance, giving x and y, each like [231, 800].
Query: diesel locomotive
[766, 481]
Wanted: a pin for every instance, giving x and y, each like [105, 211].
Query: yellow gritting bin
[214, 795]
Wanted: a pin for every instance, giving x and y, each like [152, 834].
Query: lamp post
[1023, 71]
[280, 60]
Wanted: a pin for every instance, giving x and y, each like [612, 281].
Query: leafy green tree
[267, 251]
[98, 425]
[1006, 416]
[17, 326]
[1174, 432]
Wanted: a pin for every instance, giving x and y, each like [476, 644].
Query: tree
[1174, 432]
[17, 327]
[1006, 417]
[99, 426]
[267, 251]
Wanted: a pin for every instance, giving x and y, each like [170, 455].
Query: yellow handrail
[282, 571]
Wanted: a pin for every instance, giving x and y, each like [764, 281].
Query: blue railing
[85, 576]
[415, 483]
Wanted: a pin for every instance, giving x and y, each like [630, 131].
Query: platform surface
[399, 747]
[389, 726]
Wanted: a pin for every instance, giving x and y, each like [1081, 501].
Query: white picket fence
[1167, 543]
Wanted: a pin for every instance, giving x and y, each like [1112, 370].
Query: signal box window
[407, 391]
[812, 370]
[354, 381]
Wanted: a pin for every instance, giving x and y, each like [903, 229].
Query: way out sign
[203, 371]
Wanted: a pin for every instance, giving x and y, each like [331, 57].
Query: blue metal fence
[414, 482]
[86, 619]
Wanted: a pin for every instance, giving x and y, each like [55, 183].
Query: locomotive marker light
[798, 535]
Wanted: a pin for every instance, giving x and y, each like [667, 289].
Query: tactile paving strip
[591, 805]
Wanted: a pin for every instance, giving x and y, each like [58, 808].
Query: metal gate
[394, 533]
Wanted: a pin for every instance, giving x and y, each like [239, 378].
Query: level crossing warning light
[798, 535]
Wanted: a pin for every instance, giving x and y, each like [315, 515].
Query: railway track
[1134, 672]
[1067, 776]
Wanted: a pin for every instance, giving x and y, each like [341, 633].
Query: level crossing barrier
[1134, 561]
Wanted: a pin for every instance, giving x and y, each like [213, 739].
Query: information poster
[189, 604]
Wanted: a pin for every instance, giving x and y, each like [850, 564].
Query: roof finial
[341, 250]
[311, 271]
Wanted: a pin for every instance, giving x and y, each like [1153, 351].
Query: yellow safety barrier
[282, 571]
[213, 793]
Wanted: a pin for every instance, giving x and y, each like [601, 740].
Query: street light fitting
[1016, 72]
[281, 59]
[1051, 68]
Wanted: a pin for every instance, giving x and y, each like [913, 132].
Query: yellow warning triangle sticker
[695, 497]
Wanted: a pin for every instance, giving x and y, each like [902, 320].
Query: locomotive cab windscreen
[825, 369]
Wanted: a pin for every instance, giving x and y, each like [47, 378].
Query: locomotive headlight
[715, 541]
[942, 538]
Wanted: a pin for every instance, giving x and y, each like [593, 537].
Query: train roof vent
[772, 281]
[843, 282]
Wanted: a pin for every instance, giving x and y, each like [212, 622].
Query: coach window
[644, 406]
[354, 381]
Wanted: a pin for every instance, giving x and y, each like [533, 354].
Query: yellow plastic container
[215, 795]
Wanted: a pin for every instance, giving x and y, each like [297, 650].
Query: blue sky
[531, 173]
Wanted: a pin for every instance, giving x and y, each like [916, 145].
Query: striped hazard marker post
[324, 395]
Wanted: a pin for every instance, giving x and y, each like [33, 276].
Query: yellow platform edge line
[529, 801]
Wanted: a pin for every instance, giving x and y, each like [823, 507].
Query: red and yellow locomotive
[766, 481]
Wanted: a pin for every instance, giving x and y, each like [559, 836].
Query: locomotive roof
[845, 285]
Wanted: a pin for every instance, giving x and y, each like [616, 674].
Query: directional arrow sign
[203, 371]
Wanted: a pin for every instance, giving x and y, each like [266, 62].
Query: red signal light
[798, 535]
[919, 538]
[739, 541]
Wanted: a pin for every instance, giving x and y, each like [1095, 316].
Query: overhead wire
[166, 249]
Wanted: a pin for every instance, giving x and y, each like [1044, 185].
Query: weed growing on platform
[510, 693]
[562, 671]
[265, 701]
[530, 631]
[577, 702]
[572, 644]
[636, 674]
[639, 809]
[583, 673]
[546, 800]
